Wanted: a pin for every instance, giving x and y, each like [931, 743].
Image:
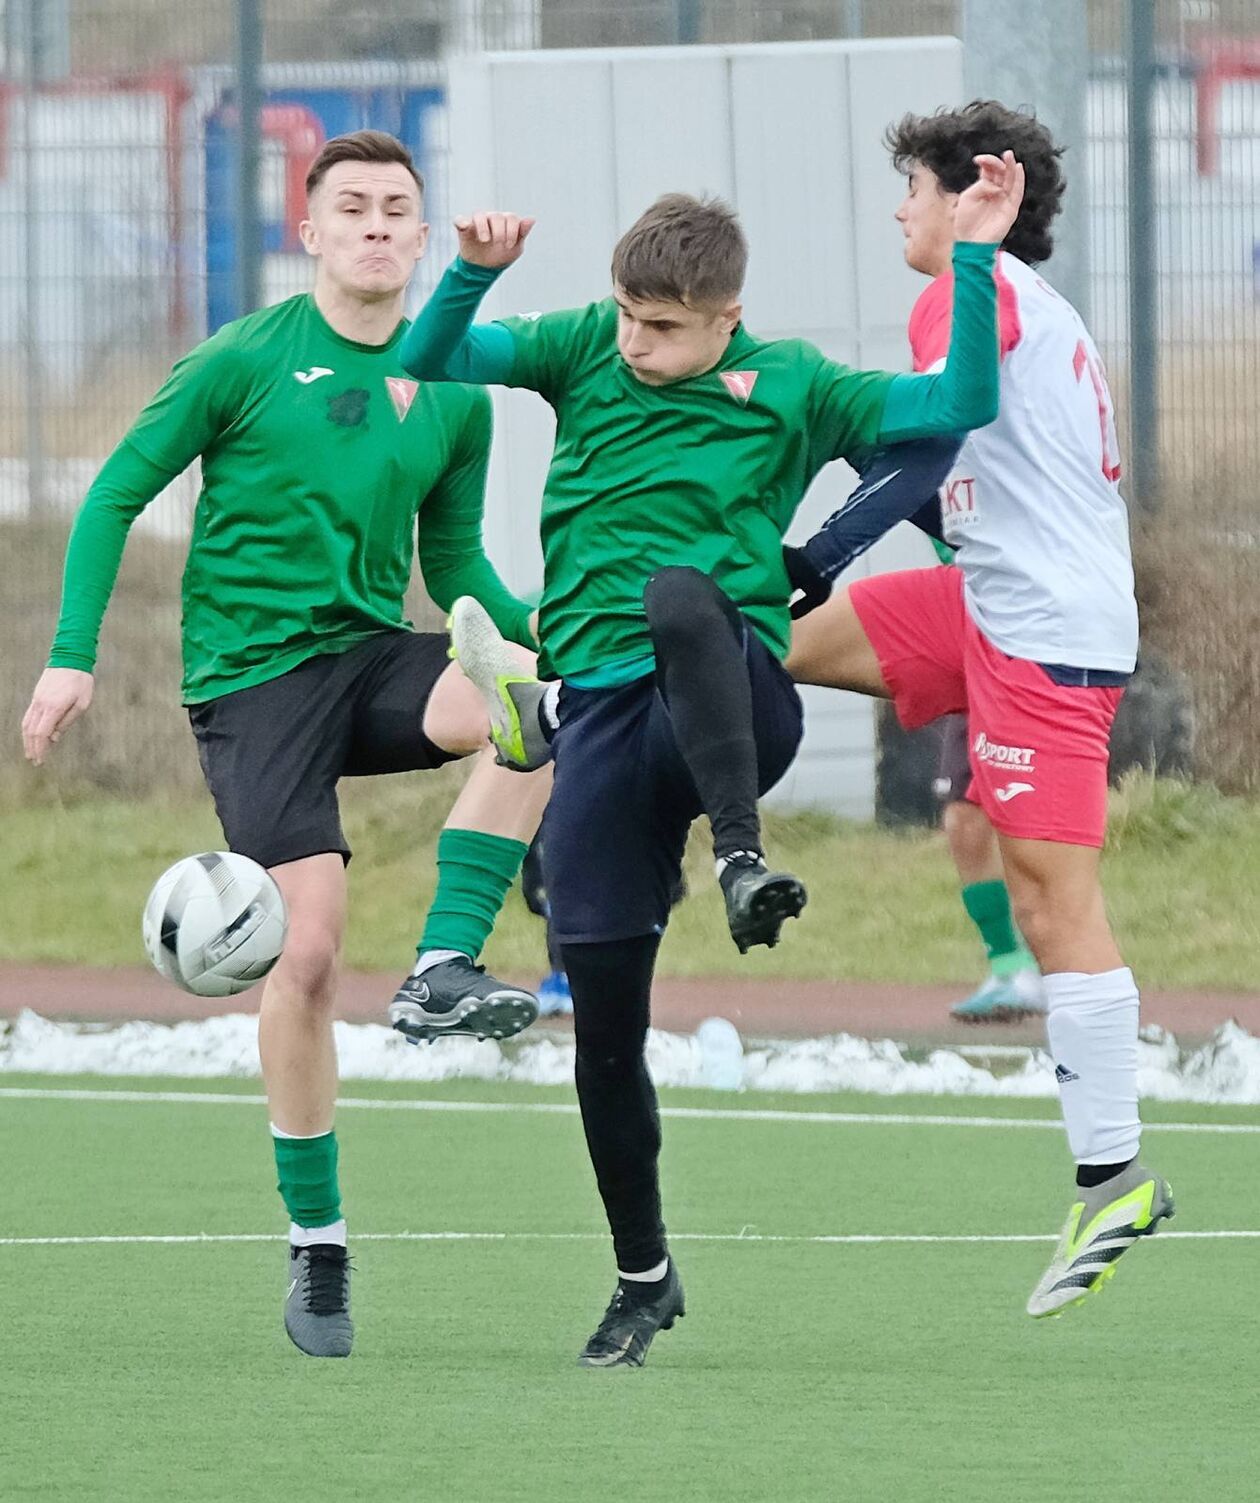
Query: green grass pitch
[805, 1369]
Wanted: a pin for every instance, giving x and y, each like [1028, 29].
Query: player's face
[663, 342]
[365, 228]
[926, 217]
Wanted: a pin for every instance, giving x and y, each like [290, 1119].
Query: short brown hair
[361, 146]
[948, 141]
[682, 250]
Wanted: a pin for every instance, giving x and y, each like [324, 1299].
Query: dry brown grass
[1198, 556]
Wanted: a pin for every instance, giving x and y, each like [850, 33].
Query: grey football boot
[457, 997]
[1104, 1222]
[317, 1306]
[512, 695]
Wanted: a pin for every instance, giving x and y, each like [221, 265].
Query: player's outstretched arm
[895, 486]
[965, 394]
[852, 411]
[124, 487]
[444, 343]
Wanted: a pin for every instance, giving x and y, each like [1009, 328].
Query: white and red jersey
[1033, 504]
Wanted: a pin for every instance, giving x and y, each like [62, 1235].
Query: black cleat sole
[776, 900]
[500, 1016]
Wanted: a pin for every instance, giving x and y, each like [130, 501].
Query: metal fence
[120, 218]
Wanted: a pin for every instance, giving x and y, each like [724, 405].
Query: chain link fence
[118, 250]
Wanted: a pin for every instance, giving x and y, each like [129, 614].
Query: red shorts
[1038, 749]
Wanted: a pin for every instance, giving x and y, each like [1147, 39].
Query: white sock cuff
[308, 1236]
[649, 1275]
[550, 704]
[300, 1137]
[1065, 988]
[427, 959]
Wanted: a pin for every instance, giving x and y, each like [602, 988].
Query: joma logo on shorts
[1002, 756]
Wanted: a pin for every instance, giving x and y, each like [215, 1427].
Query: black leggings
[612, 986]
[702, 673]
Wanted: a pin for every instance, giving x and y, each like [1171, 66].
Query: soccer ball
[214, 924]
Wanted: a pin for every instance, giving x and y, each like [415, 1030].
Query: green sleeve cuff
[443, 344]
[965, 394]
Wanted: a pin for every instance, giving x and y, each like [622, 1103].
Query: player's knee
[1035, 919]
[1052, 921]
[308, 967]
[678, 601]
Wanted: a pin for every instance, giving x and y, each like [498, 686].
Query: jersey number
[1083, 361]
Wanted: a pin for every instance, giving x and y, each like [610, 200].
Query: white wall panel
[887, 79]
[671, 113]
[789, 112]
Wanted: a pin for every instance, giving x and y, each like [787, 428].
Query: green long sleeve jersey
[324, 466]
[707, 471]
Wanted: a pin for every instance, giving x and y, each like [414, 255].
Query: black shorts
[953, 777]
[272, 754]
[623, 799]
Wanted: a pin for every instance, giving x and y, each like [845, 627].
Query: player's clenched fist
[60, 697]
[493, 240]
[986, 211]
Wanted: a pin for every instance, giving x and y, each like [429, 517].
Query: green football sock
[988, 906]
[307, 1168]
[475, 871]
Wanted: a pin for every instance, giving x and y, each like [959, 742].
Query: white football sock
[307, 1236]
[649, 1276]
[1092, 1025]
[430, 958]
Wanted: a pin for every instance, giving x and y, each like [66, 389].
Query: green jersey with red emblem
[706, 471]
[324, 464]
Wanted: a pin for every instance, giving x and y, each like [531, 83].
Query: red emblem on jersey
[402, 394]
[739, 383]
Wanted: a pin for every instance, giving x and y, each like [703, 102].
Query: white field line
[568, 1109]
[864, 1239]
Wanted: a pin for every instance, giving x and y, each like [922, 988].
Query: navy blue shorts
[623, 800]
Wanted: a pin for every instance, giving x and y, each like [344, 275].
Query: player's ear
[310, 240]
[423, 243]
[731, 316]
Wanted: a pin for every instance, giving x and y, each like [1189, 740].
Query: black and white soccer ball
[214, 924]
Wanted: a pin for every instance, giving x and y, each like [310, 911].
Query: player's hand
[60, 697]
[810, 589]
[492, 240]
[986, 211]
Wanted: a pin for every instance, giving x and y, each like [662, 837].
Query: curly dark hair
[947, 141]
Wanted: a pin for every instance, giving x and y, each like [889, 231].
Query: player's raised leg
[700, 641]
[299, 1064]
[830, 647]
